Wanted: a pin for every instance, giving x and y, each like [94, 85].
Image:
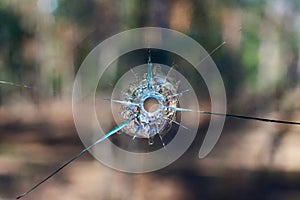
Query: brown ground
[251, 161]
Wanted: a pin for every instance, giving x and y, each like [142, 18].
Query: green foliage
[250, 49]
[77, 11]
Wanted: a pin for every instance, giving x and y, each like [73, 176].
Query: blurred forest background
[42, 44]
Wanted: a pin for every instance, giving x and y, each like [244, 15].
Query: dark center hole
[151, 104]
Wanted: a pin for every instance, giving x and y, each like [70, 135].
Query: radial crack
[111, 132]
